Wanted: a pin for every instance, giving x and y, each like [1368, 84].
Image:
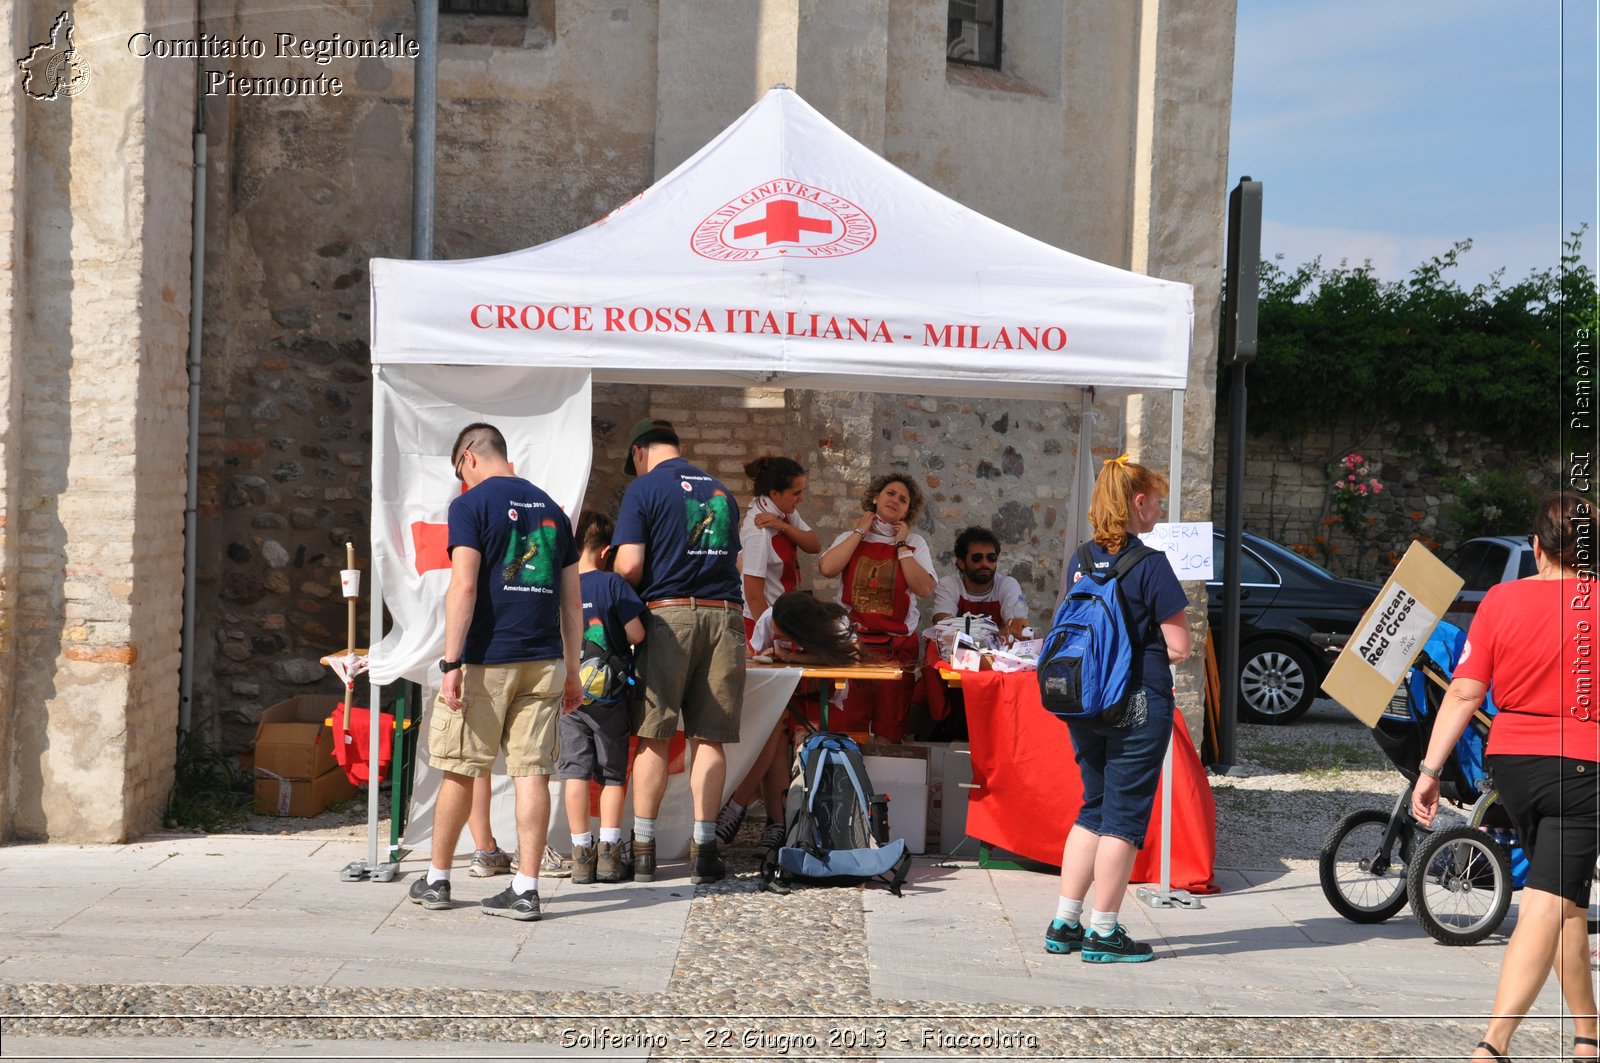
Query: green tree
[1338, 340]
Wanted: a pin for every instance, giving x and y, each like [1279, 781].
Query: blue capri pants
[1119, 762]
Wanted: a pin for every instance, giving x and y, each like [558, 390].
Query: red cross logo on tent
[783, 222]
[782, 218]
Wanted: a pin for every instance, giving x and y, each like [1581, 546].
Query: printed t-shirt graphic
[688, 523]
[525, 542]
[608, 604]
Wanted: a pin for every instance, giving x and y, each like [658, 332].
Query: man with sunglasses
[513, 625]
[976, 589]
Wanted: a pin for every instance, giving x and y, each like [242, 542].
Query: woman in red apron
[884, 567]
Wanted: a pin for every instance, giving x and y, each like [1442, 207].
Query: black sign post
[1240, 303]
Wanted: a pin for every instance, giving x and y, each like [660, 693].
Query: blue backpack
[834, 837]
[1088, 664]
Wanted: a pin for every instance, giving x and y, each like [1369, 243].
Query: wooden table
[826, 674]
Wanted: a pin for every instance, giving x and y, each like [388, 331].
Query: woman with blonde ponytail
[1119, 755]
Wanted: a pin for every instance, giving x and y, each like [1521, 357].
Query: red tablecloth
[1028, 789]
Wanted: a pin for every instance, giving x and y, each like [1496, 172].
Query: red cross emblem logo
[783, 222]
[784, 218]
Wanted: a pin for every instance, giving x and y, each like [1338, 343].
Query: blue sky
[1386, 131]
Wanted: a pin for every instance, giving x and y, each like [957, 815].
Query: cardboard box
[293, 739]
[301, 797]
[905, 779]
[1391, 634]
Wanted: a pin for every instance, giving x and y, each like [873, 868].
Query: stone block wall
[1287, 488]
[1004, 465]
[305, 191]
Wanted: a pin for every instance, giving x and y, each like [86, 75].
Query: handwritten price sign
[1187, 546]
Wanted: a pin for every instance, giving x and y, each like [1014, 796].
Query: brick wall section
[13, 194]
[160, 435]
[101, 571]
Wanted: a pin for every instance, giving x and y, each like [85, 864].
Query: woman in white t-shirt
[772, 534]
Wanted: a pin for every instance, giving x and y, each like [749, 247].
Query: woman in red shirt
[1533, 640]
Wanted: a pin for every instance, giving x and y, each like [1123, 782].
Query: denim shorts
[1119, 763]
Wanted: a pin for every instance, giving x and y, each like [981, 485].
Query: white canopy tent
[785, 254]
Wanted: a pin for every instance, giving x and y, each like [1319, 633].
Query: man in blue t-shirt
[513, 630]
[677, 541]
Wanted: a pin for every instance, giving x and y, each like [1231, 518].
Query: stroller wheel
[1364, 881]
[1459, 885]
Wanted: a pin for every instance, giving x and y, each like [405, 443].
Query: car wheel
[1277, 682]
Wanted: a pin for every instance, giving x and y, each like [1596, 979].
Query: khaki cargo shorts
[510, 706]
[691, 663]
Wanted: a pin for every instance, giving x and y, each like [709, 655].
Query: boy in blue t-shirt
[594, 737]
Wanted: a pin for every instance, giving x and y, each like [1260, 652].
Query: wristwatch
[1432, 773]
[447, 667]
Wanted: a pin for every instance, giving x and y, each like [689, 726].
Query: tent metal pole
[1163, 895]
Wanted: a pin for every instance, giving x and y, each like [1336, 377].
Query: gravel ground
[1293, 784]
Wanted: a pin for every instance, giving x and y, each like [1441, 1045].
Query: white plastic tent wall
[786, 254]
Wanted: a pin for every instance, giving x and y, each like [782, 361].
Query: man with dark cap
[677, 541]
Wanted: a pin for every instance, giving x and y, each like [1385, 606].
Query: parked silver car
[1483, 562]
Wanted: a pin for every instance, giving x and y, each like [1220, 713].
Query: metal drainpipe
[197, 283]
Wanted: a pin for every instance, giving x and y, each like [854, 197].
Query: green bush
[1336, 341]
[1493, 503]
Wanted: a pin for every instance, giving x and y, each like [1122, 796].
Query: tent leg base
[1151, 897]
[361, 871]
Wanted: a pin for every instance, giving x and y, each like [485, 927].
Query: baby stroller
[1458, 880]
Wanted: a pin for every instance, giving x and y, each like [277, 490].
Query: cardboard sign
[1391, 634]
[1187, 546]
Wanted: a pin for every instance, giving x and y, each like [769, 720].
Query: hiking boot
[486, 864]
[583, 864]
[612, 863]
[554, 865]
[644, 860]
[513, 905]
[433, 897]
[1115, 947]
[704, 863]
[771, 839]
[728, 823]
[1063, 938]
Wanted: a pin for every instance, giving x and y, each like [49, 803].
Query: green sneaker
[1115, 947]
[1063, 938]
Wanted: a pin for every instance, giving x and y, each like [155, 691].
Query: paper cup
[350, 582]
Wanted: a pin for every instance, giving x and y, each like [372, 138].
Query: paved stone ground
[826, 974]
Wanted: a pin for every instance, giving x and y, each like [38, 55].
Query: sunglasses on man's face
[991, 556]
[459, 461]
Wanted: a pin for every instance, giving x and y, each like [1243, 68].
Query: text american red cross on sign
[783, 222]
